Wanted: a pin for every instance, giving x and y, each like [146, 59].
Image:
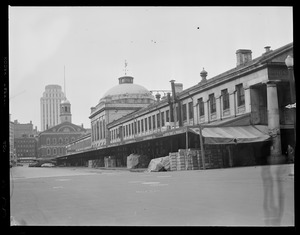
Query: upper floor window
[212, 102]
[146, 126]
[149, 121]
[184, 113]
[225, 97]
[142, 125]
[190, 108]
[168, 116]
[153, 120]
[201, 107]
[240, 94]
[48, 141]
[158, 120]
[139, 126]
[162, 118]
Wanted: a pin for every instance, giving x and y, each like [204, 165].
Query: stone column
[232, 102]
[273, 118]
[247, 99]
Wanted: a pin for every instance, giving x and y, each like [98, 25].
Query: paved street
[219, 197]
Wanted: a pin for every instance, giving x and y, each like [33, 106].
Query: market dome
[126, 87]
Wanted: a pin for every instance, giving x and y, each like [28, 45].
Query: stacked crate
[193, 159]
[173, 161]
[181, 158]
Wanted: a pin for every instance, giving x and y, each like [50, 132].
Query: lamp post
[289, 61]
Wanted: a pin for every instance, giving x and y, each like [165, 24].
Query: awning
[233, 135]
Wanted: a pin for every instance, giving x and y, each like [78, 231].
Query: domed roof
[127, 87]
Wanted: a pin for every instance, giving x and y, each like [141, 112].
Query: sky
[158, 43]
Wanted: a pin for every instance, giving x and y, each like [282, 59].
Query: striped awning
[233, 135]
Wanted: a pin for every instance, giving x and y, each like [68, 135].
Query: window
[48, 151]
[132, 131]
[48, 141]
[240, 94]
[153, 120]
[184, 113]
[101, 136]
[149, 121]
[212, 102]
[168, 116]
[126, 132]
[146, 126]
[162, 119]
[139, 126]
[60, 141]
[142, 125]
[158, 120]
[191, 111]
[54, 151]
[225, 96]
[201, 107]
[73, 139]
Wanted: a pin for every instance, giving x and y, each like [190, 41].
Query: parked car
[34, 164]
[47, 165]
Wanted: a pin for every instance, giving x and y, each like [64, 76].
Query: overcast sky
[159, 44]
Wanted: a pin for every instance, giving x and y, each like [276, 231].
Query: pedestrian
[290, 154]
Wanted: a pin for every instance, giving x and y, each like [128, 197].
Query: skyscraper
[50, 106]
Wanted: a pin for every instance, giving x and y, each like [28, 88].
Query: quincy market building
[242, 114]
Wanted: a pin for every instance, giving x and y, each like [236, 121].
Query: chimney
[267, 50]
[243, 56]
[178, 87]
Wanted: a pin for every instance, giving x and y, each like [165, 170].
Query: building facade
[26, 149]
[53, 141]
[241, 113]
[24, 129]
[50, 106]
[119, 101]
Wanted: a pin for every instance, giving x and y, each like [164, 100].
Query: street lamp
[289, 61]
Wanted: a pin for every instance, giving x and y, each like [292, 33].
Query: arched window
[60, 141]
[48, 151]
[54, 151]
[48, 141]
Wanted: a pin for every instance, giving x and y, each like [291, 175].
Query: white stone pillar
[206, 110]
[247, 99]
[218, 106]
[273, 118]
[232, 103]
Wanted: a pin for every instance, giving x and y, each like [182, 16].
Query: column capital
[271, 82]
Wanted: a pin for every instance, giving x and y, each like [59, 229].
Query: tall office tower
[50, 106]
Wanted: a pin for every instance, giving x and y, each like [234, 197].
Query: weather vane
[125, 69]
